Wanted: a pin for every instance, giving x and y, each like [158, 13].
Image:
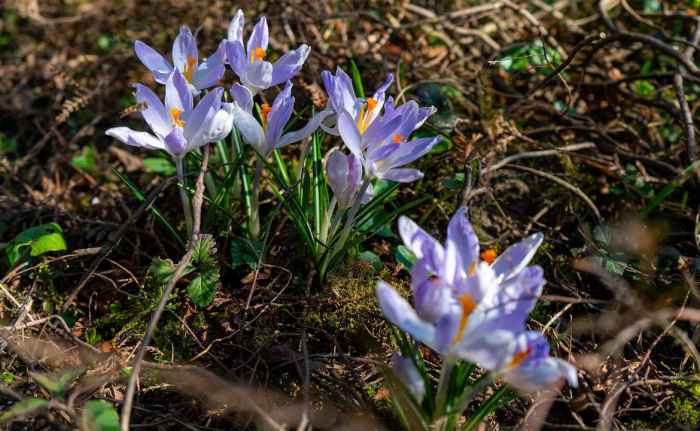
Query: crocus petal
[251, 131]
[304, 132]
[351, 134]
[368, 196]
[517, 256]
[406, 371]
[178, 95]
[433, 298]
[218, 128]
[461, 233]
[493, 351]
[155, 115]
[236, 57]
[401, 175]
[243, 97]
[184, 47]
[202, 115]
[277, 118]
[202, 80]
[162, 76]
[337, 172]
[411, 151]
[175, 143]
[235, 29]
[151, 59]
[135, 139]
[398, 311]
[421, 243]
[258, 38]
[257, 76]
[289, 65]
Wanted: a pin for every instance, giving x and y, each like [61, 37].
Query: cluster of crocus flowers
[473, 306]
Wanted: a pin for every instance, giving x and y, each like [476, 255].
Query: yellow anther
[398, 138]
[189, 69]
[258, 53]
[489, 256]
[519, 357]
[176, 118]
[264, 110]
[467, 307]
[365, 118]
[471, 268]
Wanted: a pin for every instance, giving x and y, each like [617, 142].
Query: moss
[680, 410]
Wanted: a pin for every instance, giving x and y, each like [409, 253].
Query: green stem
[351, 217]
[180, 166]
[490, 405]
[442, 390]
[254, 222]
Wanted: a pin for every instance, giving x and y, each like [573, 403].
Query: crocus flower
[178, 127]
[384, 147]
[466, 308]
[248, 62]
[269, 136]
[185, 59]
[342, 98]
[344, 176]
[406, 371]
[532, 368]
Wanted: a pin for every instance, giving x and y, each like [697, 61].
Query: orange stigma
[489, 256]
[519, 357]
[398, 139]
[189, 69]
[365, 118]
[176, 118]
[258, 53]
[467, 307]
[264, 110]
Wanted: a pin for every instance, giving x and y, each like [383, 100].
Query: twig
[554, 72]
[136, 366]
[531, 154]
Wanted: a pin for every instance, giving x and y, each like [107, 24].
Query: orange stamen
[489, 256]
[264, 110]
[398, 138]
[176, 118]
[365, 117]
[471, 268]
[189, 69]
[258, 53]
[519, 357]
[467, 307]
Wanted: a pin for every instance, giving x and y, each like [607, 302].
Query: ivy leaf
[405, 256]
[202, 289]
[164, 269]
[204, 250]
[23, 408]
[100, 416]
[57, 383]
[243, 251]
[42, 239]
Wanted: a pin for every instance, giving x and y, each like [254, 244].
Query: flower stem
[351, 217]
[254, 222]
[324, 235]
[443, 386]
[180, 166]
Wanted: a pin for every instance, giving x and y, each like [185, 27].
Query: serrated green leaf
[164, 269]
[57, 383]
[160, 166]
[24, 408]
[202, 289]
[42, 239]
[100, 416]
[203, 251]
[405, 256]
[243, 251]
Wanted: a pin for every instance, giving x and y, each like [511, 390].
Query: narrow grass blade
[666, 191]
[357, 80]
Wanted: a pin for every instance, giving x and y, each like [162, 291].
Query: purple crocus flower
[185, 59]
[178, 127]
[532, 368]
[465, 308]
[247, 62]
[384, 146]
[406, 371]
[342, 98]
[269, 136]
[344, 176]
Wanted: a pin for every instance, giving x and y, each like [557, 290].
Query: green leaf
[86, 160]
[57, 383]
[373, 259]
[204, 251]
[357, 80]
[41, 239]
[115, 307]
[202, 289]
[164, 269]
[245, 251]
[405, 256]
[160, 166]
[100, 416]
[24, 408]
